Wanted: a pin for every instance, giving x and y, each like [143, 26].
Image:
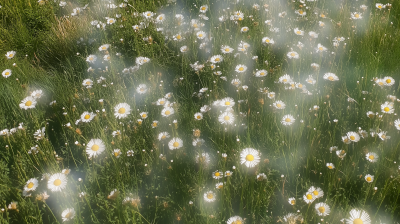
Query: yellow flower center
[388, 80]
[301, 12]
[330, 78]
[380, 83]
[121, 110]
[167, 112]
[217, 59]
[144, 115]
[161, 18]
[203, 8]
[210, 196]
[148, 14]
[287, 119]
[315, 192]
[300, 85]
[163, 137]
[284, 80]
[178, 37]
[10, 55]
[176, 144]
[227, 118]
[357, 15]
[262, 74]
[369, 179]
[249, 157]
[57, 182]
[370, 115]
[237, 222]
[217, 174]
[371, 157]
[95, 147]
[298, 32]
[226, 49]
[154, 124]
[320, 48]
[240, 18]
[111, 21]
[30, 185]
[330, 167]
[28, 103]
[140, 122]
[68, 215]
[220, 186]
[321, 209]
[198, 116]
[227, 103]
[200, 35]
[162, 102]
[116, 154]
[386, 109]
[292, 54]
[87, 116]
[267, 40]
[292, 202]
[309, 196]
[379, 6]
[195, 25]
[7, 73]
[358, 221]
[352, 138]
[241, 69]
[279, 105]
[104, 47]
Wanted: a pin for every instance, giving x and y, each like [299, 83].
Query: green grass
[52, 47]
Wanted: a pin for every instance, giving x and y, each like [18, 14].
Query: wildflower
[10, 54]
[236, 82]
[148, 14]
[341, 153]
[261, 177]
[68, 214]
[37, 94]
[271, 95]
[358, 217]
[175, 143]
[299, 32]
[322, 209]
[209, 196]
[397, 124]
[285, 79]
[317, 192]
[293, 54]
[280, 105]
[57, 182]
[7, 73]
[13, 206]
[235, 220]
[313, 34]
[142, 60]
[356, 15]
[363, 133]
[219, 185]
[203, 8]
[241, 68]
[117, 153]
[87, 117]
[309, 197]
[198, 116]
[217, 175]
[28, 103]
[91, 58]
[226, 118]
[267, 40]
[160, 18]
[129, 153]
[372, 157]
[104, 47]
[141, 89]
[39, 134]
[216, 59]
[330, 166]
[227, 102]
[198, 142]
[320, 48]
[387, 108]
[228, 173]
[31, 185]
[292, 201]
[293, 218]
[389, 81]
[353, 136]
[95, 147]
[244, 29]
[370, 114]
[287, 120]
[201, 35]
[122, 110]
[167, 111]
[331, 77]
[113, 194]
[42, 197]
[380, 6]
[203, 158]
[382, 135]
[226, 49]
[249, 157]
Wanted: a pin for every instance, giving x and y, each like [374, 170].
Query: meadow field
[200, 111]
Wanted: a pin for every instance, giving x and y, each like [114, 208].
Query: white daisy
[330, 166]
[249, 157]
[293, 54]
[104, 47]
[31, 185]
[267, 40]
[198, 116]
[261, 73]
[167, 111]
[353, 136]
[372, 157]
[285, 79]
[117, 153]
[10, 54]
[141, 89]
[217, 175]
[358, 217]
[397, 124]
[91, 58]
[387, 108]
[235, 220]
[226, 49]
[28, 103]
[57, 182]
[322, 209]
[309, 197]
[203, 8]
[280, 105]
[241, 68]
[163, 135]
[209, 196]
[317, 192]
[331, 77]
[356, 15]
[287, 120]
[216, 59]
[175, 143]
[369, 178]
[95, 147]
[292, 201]
[68, 214]
[236, 82]
[299, 32]
[87, 117]
[87, 83]
[226, 118]
[122, 110]
[7, 73]
[389, 81]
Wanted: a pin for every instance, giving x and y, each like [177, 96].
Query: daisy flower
[37, 94]
[380, 6]
[148, 14]
[28, 103]
[241, 68]
[104, 47]
[293, 54]
[201, 35]
[228, 173]
[372, 157]
[130, 153]
[117, 153]
[309, 197]
[387, 108]
[113, 194]
[198, 116]
[122, 110]
[87, 117]
[163, 135]
[261, 177]
[358, 217]
[10, 54]
[219, 185]
[370, 114]
[209, 196]
[68, 214]
[261, 73]
[31, 185]
[320, 48]
[287, 120]
[227, 102]
[331, 77]
[6, 73]
[297, 31]
[226, 49]
[382, 135]
[267, 40]
[271, 95]
[356, 15]
[285, 79]
[91, 58]
[300, 12]
[162, 102]
[216, 59]
[330, 166]
[293, 218]
[226, 118]
[292, 201]
[217, 175]
[235, 220]
[88, 83]
[317, 192]
[369, 178]
[322, 209]
[244, 29]
[280, 105]
[203, 158]
[236, 82]
[143, 115]
[141, 89]
[95, 147]
[397, 124]
[203, 8]
[142, 60]
[353, 136]
[249, 157]
[167, 111]
[160, 18]
[57, 182]
[175, 143]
